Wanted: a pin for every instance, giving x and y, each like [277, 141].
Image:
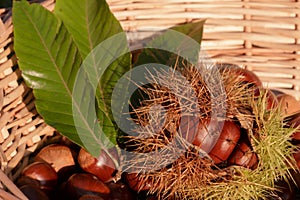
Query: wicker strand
[21, 129]
[7, 196]
[297, 41]
[248, 29]
[11, 187]
[260, 35]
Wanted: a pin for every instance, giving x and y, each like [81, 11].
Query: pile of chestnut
[65, 171]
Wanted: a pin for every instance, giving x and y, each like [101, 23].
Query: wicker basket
[21, 128]
[261, 35]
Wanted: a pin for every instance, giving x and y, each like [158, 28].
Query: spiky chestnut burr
[187, 161]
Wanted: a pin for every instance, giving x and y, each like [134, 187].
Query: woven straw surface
[21, 128]
[260, 35]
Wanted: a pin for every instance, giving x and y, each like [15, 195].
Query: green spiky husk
[193, 175]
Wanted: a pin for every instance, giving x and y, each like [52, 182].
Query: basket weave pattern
[21, 128]
[260, 35]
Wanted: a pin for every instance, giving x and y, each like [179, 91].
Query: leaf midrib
[49, 53]
[59, 74]
[91, 46]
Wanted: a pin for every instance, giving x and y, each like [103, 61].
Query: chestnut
[60, 157]
[67, 142]
[33, 192]
[120, 191]
[276, 92]
[272, 101]
[244, 75]
[289, 105]
[42, 173]
[136, 184]
[285, 190]
[81, 184]
[205, 129]
[296, 177]
[248, 77]
[100, 167]
[189, 127]
[60, 192]
[295, 123]
[243, 156]
[296, 156]
[226, 142]
[90, 197]
[25, 180]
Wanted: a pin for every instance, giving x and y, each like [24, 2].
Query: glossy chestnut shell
[204, 135]
[136, 184]
[103, 167]
[42, 173]
[81, 184]
[243, 156]
[226, 143]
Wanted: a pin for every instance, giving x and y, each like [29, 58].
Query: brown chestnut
[43, 173]
[296, 156]
[285, 190]
[103, 167]
[248, 76]
[81, 184]
[289, 104]
[203, 138]
[120, 191]
[243, 156]
[90, 197]
[226, 143]
[25, 180]
[67, 142]
[33, 192]
[136, 184]
[272, 101]
[188, 127]
[244, 75]
[60, 157]
[295, 123]
[276, 92]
